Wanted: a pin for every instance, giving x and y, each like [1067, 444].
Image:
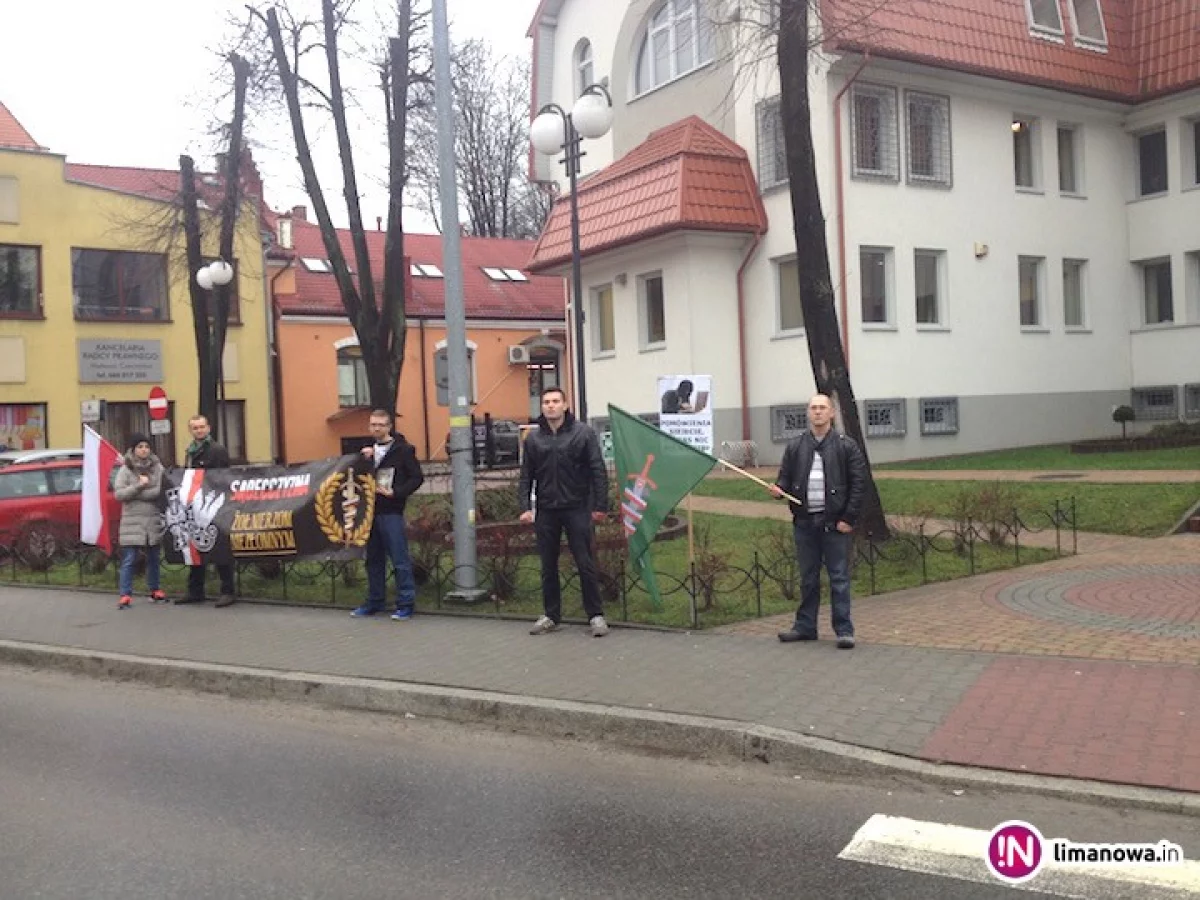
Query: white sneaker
[544, 625]
[599, 626]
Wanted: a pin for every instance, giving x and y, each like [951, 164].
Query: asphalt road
[119, 791]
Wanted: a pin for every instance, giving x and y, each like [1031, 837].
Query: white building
[1016, 188]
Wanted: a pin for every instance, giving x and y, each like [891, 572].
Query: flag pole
[730, 465]
[691, 532]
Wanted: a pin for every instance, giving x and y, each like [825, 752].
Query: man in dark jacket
[397, 477]
[827, 472]
[205, 453]
[564, 469]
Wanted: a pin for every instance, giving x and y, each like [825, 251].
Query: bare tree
[376, 310]
[491, 108]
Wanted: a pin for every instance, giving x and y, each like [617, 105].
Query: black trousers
[195, 588]
[549, 526]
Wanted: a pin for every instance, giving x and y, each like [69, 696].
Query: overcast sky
[130, 82]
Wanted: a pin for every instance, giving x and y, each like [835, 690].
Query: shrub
[1122, 415]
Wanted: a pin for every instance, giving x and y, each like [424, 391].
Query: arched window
[352, 377]
[441, 372]
[678, 39]
[585, 70]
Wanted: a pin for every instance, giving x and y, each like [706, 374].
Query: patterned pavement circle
[1155, 601]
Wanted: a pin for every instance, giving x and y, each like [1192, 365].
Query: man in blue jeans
[827, 472]
[397, 477]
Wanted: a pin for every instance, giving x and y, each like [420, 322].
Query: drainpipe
[276, 388]
[841, 205]
[424, 395]
[741, 308]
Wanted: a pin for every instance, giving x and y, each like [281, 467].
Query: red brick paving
[1099, 720]
[1158, 597]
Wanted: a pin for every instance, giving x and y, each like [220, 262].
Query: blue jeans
[129, 558]
[389, 541]
[817, 543]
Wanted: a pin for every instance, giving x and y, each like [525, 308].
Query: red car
[39, 508]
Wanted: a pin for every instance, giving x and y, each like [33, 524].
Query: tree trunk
[395, 267]
[817, 301]
[206, 402]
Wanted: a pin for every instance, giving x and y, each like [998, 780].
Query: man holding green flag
[655, 472]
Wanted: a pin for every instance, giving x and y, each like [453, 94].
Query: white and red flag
[99, 459]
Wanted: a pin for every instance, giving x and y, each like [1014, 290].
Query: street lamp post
[218, 274]
[556, 130]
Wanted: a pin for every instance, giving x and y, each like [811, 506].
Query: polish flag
[99, 459]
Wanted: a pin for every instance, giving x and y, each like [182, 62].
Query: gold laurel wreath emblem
[330, 526]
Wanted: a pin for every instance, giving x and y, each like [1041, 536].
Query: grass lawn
[1145, 510]
[744, 585]
[1059, 456]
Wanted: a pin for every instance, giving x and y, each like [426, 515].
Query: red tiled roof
[1153, 45]
[685, 176]
[541, 297]
[157, 184]
[13, 134]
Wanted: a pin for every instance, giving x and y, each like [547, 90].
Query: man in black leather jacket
[827, 472]
[563, 465]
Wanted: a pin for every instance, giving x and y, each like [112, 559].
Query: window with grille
[928, 118]
[875, 149]
[1191, 401]
[1157, 403]
[939, 415]
[788, 423]
[772, 156]
[885, 418]
[1158, 301]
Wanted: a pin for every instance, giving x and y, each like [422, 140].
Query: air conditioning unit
[518, 355]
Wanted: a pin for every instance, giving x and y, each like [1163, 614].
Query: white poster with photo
[685, 405]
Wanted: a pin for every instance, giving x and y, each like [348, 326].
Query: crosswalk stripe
[951, 851]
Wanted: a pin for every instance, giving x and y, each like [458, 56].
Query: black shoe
[845, 642]
[225, 600]
[793, 635]
[182, 600]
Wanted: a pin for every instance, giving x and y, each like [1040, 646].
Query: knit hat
[138, 438]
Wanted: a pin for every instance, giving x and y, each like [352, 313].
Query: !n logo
[1014, 851]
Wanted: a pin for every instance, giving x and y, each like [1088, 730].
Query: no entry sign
[158, 403]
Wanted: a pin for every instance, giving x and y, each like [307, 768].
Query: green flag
[655, 471]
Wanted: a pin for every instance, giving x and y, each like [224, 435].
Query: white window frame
[1076, 133]
[1040, 300]
[889, 288]
[897, 427]
[788, 422]
[1166, 162]
[772, 158]
[778, 266]
[349, 355]
[1191, 287]
[949, 423]
[1158, 412]
[585, 66]
[943, 320]
[942, 160]
[1143, 271]
[1087, 41]
[1081, 268]
[644, 342]
[599, 351]
[472, 353]
[1190, 152]
[1042, 30]
[889, 138]
[1032, 126]
[677, 13]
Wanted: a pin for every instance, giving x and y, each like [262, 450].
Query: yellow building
[95, 306]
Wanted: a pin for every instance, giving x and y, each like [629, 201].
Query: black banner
[321, 509]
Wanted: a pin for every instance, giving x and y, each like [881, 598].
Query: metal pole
[462, 477]
[572, 148]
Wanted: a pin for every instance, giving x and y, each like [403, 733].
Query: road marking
[951, 851]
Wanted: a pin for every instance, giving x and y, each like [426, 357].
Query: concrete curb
[694, 737]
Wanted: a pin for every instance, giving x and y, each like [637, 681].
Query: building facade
[1012, 198]
[95, 306]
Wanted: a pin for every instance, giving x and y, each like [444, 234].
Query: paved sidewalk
[1084, 667]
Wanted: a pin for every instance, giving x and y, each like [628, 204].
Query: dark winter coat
[407, 476]
[211, 455]
[565, 467]
[141, 520]
[845, 475]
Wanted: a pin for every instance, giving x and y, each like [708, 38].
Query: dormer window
[678, 40]
[1089, 24]
[1045, 18]
[585, 70]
